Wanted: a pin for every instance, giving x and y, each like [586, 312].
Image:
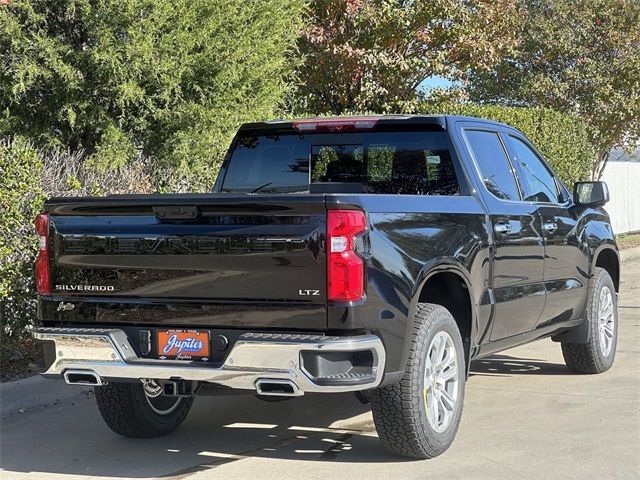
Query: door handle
[502, 228]
[550, 226]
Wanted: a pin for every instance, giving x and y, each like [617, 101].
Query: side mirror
[590, 194]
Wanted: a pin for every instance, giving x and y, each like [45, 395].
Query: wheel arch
[446, 282]
[604, 256]
[607, 257]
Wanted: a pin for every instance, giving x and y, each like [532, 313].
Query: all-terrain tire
[127, 410]
[400, 409]
[597, 354]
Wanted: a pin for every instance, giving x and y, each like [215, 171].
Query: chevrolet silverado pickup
[377, 255]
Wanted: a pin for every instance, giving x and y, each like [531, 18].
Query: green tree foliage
[372, 54]
[563, 139]
[171, 79]
[575, 56]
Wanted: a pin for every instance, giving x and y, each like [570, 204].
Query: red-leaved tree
[373, 54]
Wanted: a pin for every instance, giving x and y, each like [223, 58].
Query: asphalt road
[526, 416]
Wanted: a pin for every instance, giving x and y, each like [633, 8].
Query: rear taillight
[345, 268]
[43, 274]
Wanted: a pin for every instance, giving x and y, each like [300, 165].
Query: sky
[435, 82]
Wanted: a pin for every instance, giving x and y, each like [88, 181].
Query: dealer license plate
[183, 345]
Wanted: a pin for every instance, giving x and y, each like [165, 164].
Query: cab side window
[493, 163]
[538, 180]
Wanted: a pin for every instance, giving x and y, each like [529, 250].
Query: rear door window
[492, 160]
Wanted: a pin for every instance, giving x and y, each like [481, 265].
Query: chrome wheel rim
[606, 321]
[160, 404]
[440, 391]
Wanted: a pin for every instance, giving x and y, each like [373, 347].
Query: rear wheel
[140, 411]
[598, 353]
[418, 417]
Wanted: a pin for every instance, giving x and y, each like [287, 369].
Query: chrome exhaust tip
[87, 378]
[274, 387]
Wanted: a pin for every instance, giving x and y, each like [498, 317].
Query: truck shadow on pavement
[71, 439]
[505, 365]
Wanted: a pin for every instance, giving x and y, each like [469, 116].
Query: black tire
[127, 410]
[400, 409]
[591, 357]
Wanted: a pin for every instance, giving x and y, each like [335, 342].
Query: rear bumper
[255, 357]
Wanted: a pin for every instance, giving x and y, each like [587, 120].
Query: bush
[28, 175]
[171, 79]
[20, 200]
[562, 138]
[72, 174]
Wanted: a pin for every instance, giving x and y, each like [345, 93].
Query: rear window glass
[278, 163]
[414, 163]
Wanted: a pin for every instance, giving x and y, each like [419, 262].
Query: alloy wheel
[440, 392]
[606, 321]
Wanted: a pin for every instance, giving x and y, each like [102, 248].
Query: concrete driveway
[525, 416]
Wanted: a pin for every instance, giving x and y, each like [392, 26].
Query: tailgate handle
[176, 212]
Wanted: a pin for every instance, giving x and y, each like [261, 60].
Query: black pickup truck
[378, 255]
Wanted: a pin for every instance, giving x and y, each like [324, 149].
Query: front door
[518, 250]
[565, 266]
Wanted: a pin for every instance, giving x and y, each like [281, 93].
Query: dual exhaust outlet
[277, 388]
[87, 378]
[264, 386]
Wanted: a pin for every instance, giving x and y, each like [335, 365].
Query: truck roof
[438, 121]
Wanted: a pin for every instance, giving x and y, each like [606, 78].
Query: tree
[172, 79]
[575, 56]
[373, 54]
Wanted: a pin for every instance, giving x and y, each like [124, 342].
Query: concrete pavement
[526, 416]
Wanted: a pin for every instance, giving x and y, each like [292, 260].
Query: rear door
[518, 287]
[565, 266]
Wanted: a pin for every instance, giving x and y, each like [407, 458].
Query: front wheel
[598, 353]
[140, 411]
[418, 417]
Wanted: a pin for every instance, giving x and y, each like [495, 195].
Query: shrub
[20, 199]
[171, 79]
[562, 138]
[28, 175]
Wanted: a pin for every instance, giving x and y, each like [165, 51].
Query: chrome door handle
[502, 228]
[550, 226]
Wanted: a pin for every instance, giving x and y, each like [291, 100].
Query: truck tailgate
[242, 251]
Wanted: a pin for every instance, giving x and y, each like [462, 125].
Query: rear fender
[431, 268]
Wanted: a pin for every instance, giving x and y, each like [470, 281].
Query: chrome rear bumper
[254, 359]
